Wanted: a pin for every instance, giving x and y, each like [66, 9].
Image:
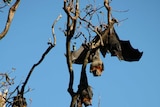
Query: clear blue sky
[122, 84]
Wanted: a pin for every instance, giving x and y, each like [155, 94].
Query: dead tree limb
[72, 15]
[19, 100]
[33, 67]
[51, 45]
[11, 13]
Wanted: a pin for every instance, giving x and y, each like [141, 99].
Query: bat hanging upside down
[96, 66]
[86, 96]
[112, 44]
[120, 48]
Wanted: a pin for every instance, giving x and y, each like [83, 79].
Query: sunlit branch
[11, 13]
[53, 31]
[71, 27]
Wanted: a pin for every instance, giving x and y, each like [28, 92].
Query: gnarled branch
[70, 30]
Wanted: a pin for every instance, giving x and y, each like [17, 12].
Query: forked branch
[72, 13]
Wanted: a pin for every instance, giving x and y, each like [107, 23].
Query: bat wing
[79, 55]
[112, 45]
[103, 51]
[128, 52]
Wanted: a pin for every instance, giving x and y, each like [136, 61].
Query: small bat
[86, 96]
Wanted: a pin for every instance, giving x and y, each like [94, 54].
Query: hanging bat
[86, 96]
[112, 44]
[85, 90]
[96, 66]
[120, 48]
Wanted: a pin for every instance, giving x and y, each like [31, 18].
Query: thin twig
[93, 28]
[53, 32]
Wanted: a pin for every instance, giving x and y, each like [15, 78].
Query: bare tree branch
[70, 30]
[43, 56]
[11, 13]
[106, 4]
[53, 32]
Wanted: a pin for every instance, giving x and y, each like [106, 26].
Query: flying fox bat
[96, 66]
[120, 48]
[86, 96]
[85, 90]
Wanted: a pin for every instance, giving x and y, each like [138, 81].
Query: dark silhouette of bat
[111, 44]
[128, 52]
[120, 48]
[85, 90]
[86, 96]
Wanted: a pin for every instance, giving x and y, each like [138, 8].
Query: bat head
[97, 68]
[86, 96]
